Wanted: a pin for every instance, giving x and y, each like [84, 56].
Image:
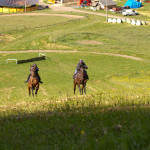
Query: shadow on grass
[94, 127]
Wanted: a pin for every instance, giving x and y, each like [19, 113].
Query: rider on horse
[37, 69]
[81, 64]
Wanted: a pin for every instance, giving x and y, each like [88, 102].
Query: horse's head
[82, 69]
[85, 67]
[33, 70]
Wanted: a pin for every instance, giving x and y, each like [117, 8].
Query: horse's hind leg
[84, 89]
[79, 88]
[75, 87]
[32, 91]
[36, 90]
[29, 91]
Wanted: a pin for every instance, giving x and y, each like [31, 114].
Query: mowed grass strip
[113, 115]
[59, 33]
[107, 73]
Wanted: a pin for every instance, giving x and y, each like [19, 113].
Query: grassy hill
[114, 114]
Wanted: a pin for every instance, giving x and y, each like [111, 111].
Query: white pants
[75, 71]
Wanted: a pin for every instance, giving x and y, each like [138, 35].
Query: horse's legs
[29, 89]
[32, 91]
[75, 87]
[82, 88]
[85, 88]
[36, 90]
[79, 88]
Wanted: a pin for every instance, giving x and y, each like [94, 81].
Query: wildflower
[82, 132]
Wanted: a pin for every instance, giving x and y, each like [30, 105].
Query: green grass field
[114, 115]
[65, 34]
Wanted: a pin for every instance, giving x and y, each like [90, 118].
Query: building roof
[17, 3]
[107, 2]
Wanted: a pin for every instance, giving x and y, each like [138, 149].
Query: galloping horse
[33, 82]
[80, 79]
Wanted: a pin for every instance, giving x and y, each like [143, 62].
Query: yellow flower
[82, 132]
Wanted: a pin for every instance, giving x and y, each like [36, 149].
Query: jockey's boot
[40, 81]
[87, 77]
[74, 76]
[27, 79]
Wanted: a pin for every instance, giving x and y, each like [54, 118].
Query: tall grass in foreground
[92, 122]
[71, 103]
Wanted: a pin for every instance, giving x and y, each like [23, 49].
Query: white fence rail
[8, 60]
[41, 54]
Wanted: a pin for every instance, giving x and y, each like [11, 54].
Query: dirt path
[63, 9]
[119, 55]
[71, 51]
[38, 51]
[95, 13]
[44, 14]
[66, 9]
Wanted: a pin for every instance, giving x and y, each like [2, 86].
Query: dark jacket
[37, 69]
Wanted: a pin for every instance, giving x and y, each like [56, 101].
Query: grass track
[106, 73]
[115, 113]
[65, 34]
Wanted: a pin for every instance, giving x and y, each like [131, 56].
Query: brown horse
[33, 82]
[80, 80]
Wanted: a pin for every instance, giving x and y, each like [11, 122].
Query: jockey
[37, 69]
[81, 64]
